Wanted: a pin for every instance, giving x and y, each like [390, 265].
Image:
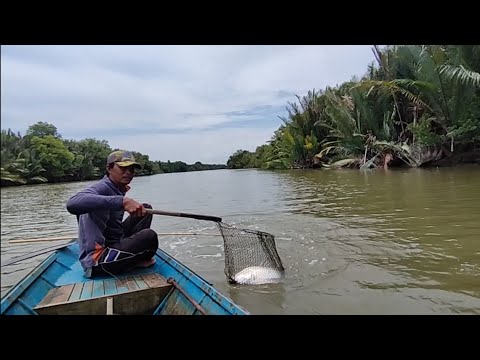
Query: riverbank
[5, 183]
[457, 159]
[454, 160]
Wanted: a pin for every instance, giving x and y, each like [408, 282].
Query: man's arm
[90, 200]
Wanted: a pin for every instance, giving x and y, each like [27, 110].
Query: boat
[57, 286]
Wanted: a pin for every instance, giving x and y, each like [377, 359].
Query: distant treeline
[179, 166]
[416, 105]
[42, 156]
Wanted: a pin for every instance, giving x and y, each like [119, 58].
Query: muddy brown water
[352, 242]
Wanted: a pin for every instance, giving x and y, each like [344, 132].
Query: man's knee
[151, 238]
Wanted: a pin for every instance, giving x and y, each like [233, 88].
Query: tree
[42, 129]
[54, 156]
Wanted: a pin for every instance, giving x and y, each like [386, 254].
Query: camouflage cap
[122, 158]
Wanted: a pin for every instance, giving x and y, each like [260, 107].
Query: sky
[177, 103]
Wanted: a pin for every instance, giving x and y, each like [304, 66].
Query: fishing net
[250, 256]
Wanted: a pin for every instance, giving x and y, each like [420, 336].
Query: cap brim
[128, 163]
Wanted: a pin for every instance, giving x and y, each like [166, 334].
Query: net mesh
[250, 256]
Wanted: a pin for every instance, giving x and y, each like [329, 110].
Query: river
[403, 241]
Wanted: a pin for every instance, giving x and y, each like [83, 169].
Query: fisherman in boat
[107, 244]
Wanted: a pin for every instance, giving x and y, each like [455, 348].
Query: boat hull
[58, 286]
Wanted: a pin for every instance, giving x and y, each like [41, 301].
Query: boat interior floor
[128, 295]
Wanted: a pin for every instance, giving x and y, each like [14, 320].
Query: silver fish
[254, 275]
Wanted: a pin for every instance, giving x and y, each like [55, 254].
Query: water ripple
[352, 242]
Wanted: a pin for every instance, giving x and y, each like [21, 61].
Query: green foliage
[180, 166]
[460, 75]
[90, 155]
[422, 132]
[43, 156]
[412, 101]
[241, 159]
[42, 129]
[54, 156]
[466, 130]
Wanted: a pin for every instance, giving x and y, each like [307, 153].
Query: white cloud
[107, 90]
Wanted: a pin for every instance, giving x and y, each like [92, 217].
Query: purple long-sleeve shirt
[99, 210]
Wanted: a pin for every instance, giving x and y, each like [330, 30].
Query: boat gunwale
[224, 301]
[14, 293]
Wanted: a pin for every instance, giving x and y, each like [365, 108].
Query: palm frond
[409, 83]
[460, 74]
[394, 87]
[344, 162]
[38, 179]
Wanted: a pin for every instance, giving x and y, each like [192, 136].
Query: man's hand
[133, 207]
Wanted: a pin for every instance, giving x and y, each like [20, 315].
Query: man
[108, 245]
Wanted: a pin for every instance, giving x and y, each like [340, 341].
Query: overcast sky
[177, 103]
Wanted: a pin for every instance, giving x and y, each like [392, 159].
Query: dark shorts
[139, 244]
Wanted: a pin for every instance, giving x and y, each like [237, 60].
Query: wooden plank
[131, 284]
[77, 292]
[109, 305]
[98, 289]
[140, 283]
[139, 294]
[140, 302]
[110, 286]
[63, 293]
[153, 280]
[121, 286]
[49, 298]
[57, 295]
[87, 290]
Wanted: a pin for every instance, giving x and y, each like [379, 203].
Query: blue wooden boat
[57, 286]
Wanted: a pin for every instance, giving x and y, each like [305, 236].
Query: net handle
[187, 215]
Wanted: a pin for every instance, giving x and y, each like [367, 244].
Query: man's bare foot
[146, 263]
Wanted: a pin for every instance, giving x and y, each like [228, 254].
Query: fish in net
[250, 256]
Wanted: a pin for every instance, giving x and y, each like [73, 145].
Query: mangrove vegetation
[416, 105]
[42, 156]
